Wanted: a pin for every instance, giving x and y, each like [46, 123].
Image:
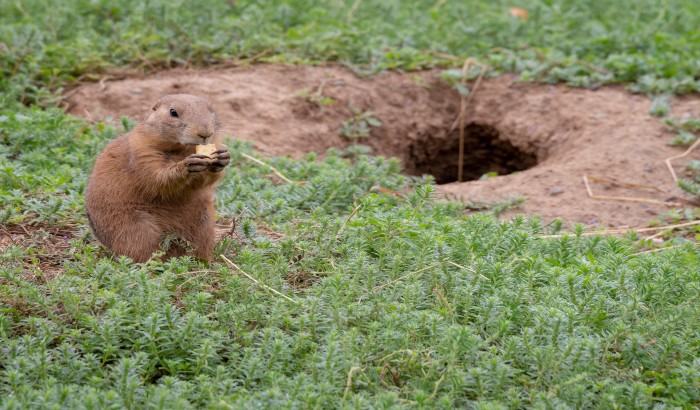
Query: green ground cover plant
[395, 299]
[649, 45]
[687, 131]
[480, 312]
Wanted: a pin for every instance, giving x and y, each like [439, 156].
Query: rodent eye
[173, 113]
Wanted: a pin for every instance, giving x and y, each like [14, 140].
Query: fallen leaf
[387, 191]
[519, 13]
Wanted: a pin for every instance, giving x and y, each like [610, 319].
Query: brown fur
[148, 185]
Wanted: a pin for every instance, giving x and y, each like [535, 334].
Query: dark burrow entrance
[484, 152]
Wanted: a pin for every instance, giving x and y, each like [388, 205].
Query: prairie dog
[149, 189]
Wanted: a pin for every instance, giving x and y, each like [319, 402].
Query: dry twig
[438, 54]
[273, 169]
[657, 250]
[387, 191]
[468, 269]
[464, 103]
[178, 289]
[625, 198]
[380, 287]
[352, 214]
[256, 281]
[625, 184]
[664, 229]
[348, 383]
[684, 154]
[625, 230]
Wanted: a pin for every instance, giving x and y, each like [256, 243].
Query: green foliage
[479, 312]
[687, 124]
[316, 98]
[660, 105]
[688, 130]
[691, 185]
[455, 77]
[495, 208]
[404, 301]
[648, 44]
[683, 139]
[45, 157]
[359, 125]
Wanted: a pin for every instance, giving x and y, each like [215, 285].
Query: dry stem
[179, 287]
[464, 103]
[468, 269]
[657, 250]
[625, 184]
[380, 287]
[625, 198]
[625, 230]
[352, 214]
[348, 383]
[256, 281]
[273, 169]
[669, 159]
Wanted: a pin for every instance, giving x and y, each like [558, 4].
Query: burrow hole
[484, 152]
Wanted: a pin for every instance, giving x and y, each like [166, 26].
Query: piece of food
[207, 149]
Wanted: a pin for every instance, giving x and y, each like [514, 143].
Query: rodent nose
[206, 133]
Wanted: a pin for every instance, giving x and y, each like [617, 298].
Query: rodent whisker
[230, 122]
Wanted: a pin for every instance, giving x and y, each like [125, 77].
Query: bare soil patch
[540, 139]
[52, 244]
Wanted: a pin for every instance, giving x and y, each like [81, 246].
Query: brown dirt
[543, 137]
[52, 245]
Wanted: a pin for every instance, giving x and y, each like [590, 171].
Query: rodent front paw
[219, 159]
[197, 163]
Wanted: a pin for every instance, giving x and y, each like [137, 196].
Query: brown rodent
[149, 190]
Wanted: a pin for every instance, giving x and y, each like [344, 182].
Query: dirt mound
[540, 139]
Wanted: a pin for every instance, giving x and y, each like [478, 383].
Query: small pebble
[557, 190]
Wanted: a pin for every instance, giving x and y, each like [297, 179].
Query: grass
[648, 45]
[481, 313]
[396, 300]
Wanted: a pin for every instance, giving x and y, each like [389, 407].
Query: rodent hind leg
[199, 244]
[98, 233]
[205, 247]
[138, 240]
[175, 245]
[200, 233]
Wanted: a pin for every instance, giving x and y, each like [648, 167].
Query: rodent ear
[157, 104]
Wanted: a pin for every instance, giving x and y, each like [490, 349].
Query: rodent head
[184, 119]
